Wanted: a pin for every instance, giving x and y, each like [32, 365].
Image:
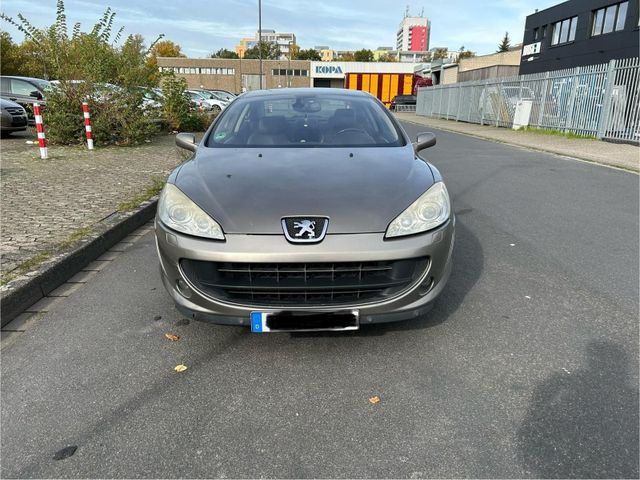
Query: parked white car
[207, 101]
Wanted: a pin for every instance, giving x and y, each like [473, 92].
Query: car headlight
[178, 212]
[429, 211]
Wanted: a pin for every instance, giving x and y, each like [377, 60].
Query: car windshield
[305, 120]
[224, 95]
[42, 84]
[212, 95]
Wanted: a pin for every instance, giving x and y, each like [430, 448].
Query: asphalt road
[527, 366]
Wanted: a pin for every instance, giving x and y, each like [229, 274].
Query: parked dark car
[13, 118]
[402, 100]
[25, 91]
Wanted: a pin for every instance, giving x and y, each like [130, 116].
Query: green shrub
[63, 120]
[176, 106]
[196, 121]
[117, 115]
[177, 109]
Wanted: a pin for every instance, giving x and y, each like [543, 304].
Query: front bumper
[412, 302]
[13, 123]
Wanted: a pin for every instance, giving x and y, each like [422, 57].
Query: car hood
[249, 190]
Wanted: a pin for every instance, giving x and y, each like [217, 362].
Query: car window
[42, 84]
[305, 120]
[5, 85]
[20, 87]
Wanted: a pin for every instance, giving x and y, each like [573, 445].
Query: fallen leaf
[374, 400]
[180, 368]
[172, 337]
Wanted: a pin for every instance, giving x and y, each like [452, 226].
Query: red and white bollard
[42, 143]
[87, 124]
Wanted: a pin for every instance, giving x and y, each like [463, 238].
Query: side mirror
[187, 141]
[424, 140]
[36, 94]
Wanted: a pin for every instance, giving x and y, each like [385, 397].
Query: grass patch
[25, 266]
[556, 133]
[157, 184]
[74, 237]
[41, 257]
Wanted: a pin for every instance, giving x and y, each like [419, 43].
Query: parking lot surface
[44, 202]
[527, 366]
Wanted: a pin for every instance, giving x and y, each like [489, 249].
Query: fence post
[604, 114]
[543, 104]
[575, 78]
[42, 143]
[483, 96]
[87, 125]
[459, 101]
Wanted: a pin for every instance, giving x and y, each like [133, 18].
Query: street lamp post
[260, 38]
[289, 66]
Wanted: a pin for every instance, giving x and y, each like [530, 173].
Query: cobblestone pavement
[43, 202]
[607, 153]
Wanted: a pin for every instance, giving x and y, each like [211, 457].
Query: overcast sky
[203, 27]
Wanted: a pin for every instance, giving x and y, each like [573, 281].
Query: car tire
[216, 109]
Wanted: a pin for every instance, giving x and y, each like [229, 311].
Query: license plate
[264, 322]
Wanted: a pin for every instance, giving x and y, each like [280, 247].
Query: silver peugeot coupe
[304, 209]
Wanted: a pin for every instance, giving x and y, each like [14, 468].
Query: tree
[162, 48]
[440, 54]
[363, 55]
[387, 57]
[505, 44]
[224, 53]
[465, 54]
[270, 51]
[347, 57]
[12, 57]
[166, 48]
[428, 57]
[308, 54]
[294, 50]
[62, 53]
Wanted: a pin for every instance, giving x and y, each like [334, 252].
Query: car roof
[286, 92]
[31, 79]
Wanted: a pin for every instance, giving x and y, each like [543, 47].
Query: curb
[529, 147]
[53, 274]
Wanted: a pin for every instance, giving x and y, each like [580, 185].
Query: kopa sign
[329, 71]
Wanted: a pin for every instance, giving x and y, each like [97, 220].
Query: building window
[536, 34]
[609, 19]
[564, 31]
[544, 32]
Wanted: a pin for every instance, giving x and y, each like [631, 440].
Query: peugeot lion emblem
[306, 226]
[304, 229]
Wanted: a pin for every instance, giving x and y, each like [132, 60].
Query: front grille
[307, 284]
[15, 110]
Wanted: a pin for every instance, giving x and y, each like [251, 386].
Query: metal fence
[598, 100]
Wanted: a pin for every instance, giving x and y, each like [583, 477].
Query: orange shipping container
[384, 86]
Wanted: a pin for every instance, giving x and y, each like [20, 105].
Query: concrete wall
[449, 75]
[505, 58]
[495, 71]
[194, 70]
